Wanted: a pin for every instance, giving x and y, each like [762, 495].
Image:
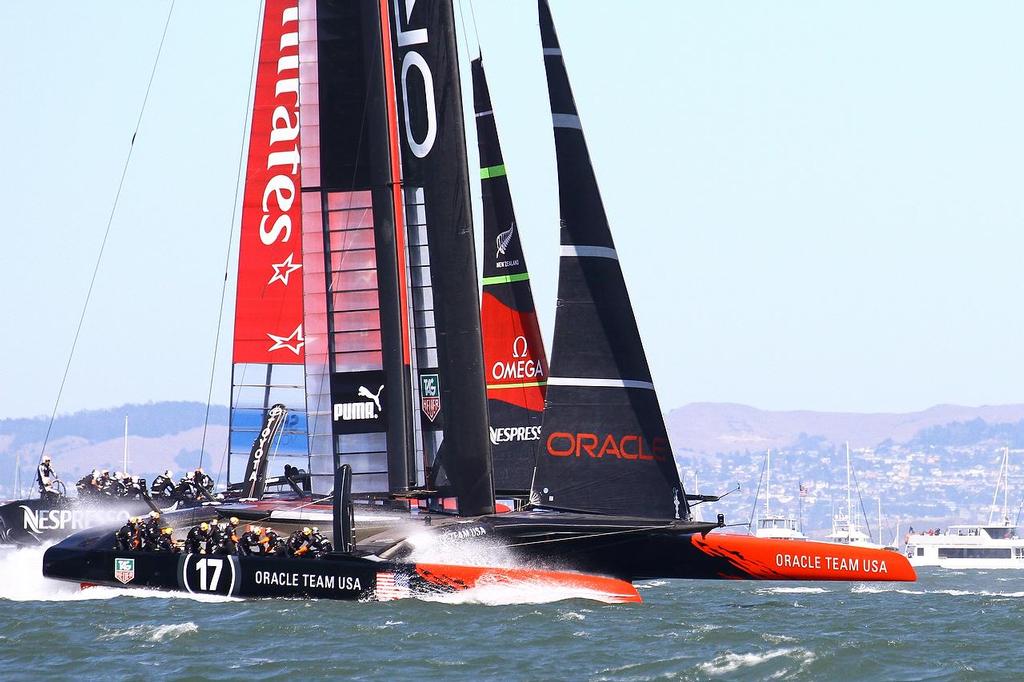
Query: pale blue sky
[817, 205]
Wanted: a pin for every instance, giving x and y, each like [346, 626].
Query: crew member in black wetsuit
[272, 542]
[216, 530]
[249, 542]
[134, 489]
[46, 479]
[318, 544]
[163, 485]
[151, 530]
[202, 480]
[104, 484]
[198, 538]
[226, 538]
[128, 535]
[87, 485]
[165, 541]
[298, 542]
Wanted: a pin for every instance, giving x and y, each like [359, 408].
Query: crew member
[118, 486]
[299, 542]
[87, 485]
[128, 536]
[163, 485]
[165, 540]
[197, 539]
[46, 479]
[150, 532]
[231, 535]
[249, 542]
[216, 531]
[318, 544]
[272, 542]
[227, 538]
[134, 488]
[202, 480]
[104, 483]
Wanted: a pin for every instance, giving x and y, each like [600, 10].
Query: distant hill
[161, 436]
[707, 428]
[932, 466]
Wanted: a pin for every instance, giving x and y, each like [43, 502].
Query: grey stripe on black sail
[604, 447]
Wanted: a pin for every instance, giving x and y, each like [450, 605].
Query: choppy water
[948, 625]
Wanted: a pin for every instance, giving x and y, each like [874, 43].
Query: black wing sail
[448, 389]
[514, 358]
[604, 448]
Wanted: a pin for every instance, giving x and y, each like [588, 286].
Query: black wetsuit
[273, 544]
[319, 545]
[86, 486]
[105, 485]
[203, 481]
[249, 543]
[223, 540]
[126, 537]
[151, 534]
[297, 544]
[164, 543]
[163, 486]
[197, 540]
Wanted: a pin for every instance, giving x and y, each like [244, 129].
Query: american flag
[388, 589]
[804, 490]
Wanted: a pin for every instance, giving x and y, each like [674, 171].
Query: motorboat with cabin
[993, 545]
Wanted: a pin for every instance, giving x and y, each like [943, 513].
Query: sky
[816, 205]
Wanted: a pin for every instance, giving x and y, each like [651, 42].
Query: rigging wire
[231, 241]
[863, 509]
[757, 494]
[465, 31]
[476, 31]
[106, 233]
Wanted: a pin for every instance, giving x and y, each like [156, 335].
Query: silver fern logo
[504, 239]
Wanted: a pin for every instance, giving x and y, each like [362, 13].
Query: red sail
[270, 334]
[268, 311]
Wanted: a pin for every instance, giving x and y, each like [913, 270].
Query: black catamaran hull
[84, 558]
[36, 521]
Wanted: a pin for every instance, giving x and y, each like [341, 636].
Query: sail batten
[604, 447]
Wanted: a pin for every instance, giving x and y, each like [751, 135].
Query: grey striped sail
[604, 448]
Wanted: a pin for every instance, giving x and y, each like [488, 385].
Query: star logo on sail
[283, 270]
[293, 342]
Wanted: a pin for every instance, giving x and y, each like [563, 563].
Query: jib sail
[604, 447]
[514, 359]
[269, 336]
[448, 378]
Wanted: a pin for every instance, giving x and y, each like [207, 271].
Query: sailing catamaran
[357, 136]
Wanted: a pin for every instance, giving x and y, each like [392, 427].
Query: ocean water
[948, 625]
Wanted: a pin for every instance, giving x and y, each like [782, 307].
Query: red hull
[772, 559]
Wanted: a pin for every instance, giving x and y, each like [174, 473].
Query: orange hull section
[772, 559]
[611, 590]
